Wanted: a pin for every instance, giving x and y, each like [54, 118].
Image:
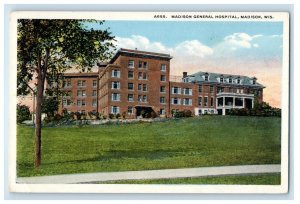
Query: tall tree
[56, 44]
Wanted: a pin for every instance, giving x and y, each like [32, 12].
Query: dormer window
[254, 80]
[206, 76]
[221, 79]
[230, 80]
[238, 81]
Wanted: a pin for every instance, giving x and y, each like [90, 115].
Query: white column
[243, 102]
[223, 101]
[233, 102]
[223, 111]
[252, 102]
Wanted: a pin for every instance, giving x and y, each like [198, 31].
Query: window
[131, 63]
[187, 101]
[140, 98]
[230, 80]
[205, 101]
[221, 79]
[140, 87]
[163, 78]
[200, 101]
[163, 68]
[130, 110]
[211, 102]
[94, 92]
[188, 91]
[115, 85]
[143, 64]
[176, 90]
[206, 77]
[200, 88]
[94, 103]
[163, 89]
[67, 83]
[145, 87]
[162, 111]
[81, 83]
[176, 101]
[65, 102]
[238, 81]
[115, 109]
[115, 97]
[94, 83]
[81, 93]
[130, 97]
[162, 100]
[83, 103]
[130, 74]
[116, 73]
[140, 64]
[130, 86]
[78, 102]
[142, 75]
[211, 88]
[145, 98]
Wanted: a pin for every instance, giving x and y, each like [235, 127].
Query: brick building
[135, 83]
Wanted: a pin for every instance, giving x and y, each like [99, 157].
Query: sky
[241, 48]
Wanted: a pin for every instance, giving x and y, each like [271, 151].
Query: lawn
[190, 142]
[264, 179]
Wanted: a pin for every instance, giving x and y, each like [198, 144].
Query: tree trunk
[38, 119]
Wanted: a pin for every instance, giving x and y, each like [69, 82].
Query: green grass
[191, 142]
[265, 179]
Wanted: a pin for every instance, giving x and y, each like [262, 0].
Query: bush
[124, 115]
[118, 116]
[153, 114]
[104, 117]
[111, 116]
[23, 113]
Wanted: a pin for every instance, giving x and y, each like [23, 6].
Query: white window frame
[187, 102]
[132, 75]
[115, 82]
[132, 99]
[164, 100]
[94, 83]
[177, 88]
[178, 101]
[118, 97]
[163, 67]
[165, 78]
[190, 91]
[94, 102]
[130, 88]
[118, 73]
[131, 63]
[115, 109]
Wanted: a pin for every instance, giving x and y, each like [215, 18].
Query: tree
[45, 45]
[50, 106]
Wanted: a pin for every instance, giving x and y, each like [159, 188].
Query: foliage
[260, 109]
[23, 113]
[111, 116]
[50, 106]
[181, 114]
[118, 115]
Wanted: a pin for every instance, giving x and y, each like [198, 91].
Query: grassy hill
[189, 142]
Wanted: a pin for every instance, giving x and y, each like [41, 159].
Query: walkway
[151, 174]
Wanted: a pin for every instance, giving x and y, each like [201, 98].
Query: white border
[113, 188]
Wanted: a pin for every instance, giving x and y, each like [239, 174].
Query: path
[151, 174]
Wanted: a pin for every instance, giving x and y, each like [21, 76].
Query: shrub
[57, 117]
[118, 116]
[111, 116]
[187, 113]
[124, 115]
[153, 114]
[23, 113]
[104, 117]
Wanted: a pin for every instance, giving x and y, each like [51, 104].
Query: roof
[81, 74]
[199, 77]
[139, 53]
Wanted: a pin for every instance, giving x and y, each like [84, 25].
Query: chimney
[184, 74]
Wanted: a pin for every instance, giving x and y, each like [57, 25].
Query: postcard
[149, 102]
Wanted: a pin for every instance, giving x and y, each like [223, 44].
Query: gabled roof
[214, 78]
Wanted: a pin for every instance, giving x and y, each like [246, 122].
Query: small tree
[23, 113]
[50, 106]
